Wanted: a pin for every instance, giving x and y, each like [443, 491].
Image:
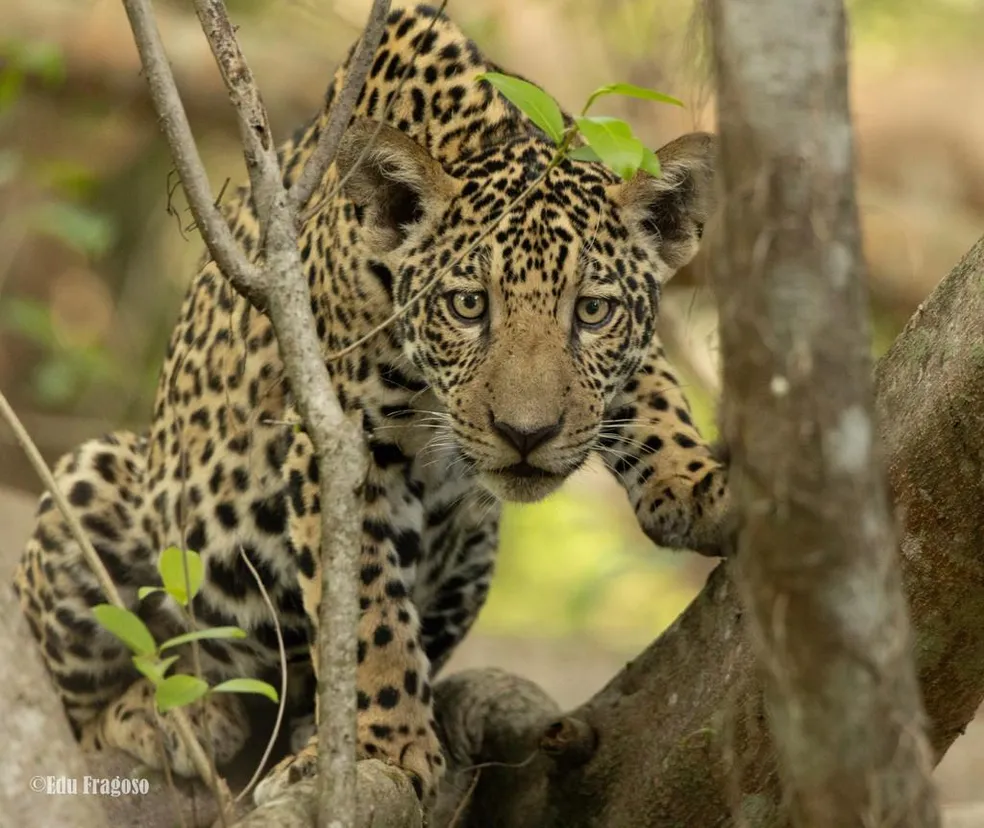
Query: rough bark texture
[930, 402]
[817, 565]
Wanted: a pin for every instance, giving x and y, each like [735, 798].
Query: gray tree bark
[818, 566]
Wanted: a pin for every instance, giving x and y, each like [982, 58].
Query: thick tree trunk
[818, 566]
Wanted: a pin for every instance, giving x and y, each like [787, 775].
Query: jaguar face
[527, 331]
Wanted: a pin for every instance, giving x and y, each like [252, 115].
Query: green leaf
[179, 690]
[127, 627]
[632, 91]
[152, 667]
[171, 565]
[143, 592]
[538, 106]
[614, 142]
[199, 635]
[583, 154]
[81, 229]
[247, 685]
[650, 163]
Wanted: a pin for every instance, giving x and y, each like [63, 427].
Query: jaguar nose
[526, 440]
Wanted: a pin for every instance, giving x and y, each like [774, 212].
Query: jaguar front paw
[682, 513]
[410, 743]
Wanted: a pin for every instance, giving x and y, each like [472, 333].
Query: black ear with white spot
[393, 178]
[673, 208]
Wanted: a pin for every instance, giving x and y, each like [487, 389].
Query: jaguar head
[527, 318]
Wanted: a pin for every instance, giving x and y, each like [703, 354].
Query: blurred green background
[95, 250]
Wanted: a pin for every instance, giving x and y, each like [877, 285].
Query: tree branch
[106, 583]
[341, 109]
[215, 231]
[281, 289]
[259, 146]
[817, 562]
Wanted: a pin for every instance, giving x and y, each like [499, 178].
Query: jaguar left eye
[593, 311]
[468, 305]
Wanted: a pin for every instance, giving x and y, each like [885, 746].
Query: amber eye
[468, 305]
[593, 311]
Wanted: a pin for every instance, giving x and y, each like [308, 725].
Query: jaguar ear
[393, 179]
[673, 208]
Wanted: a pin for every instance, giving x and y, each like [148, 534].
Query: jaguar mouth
[521, 482]
[524, 470]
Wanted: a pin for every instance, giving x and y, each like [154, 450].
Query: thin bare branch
[74, 526]
[259, 146]
[282, 652]
[282, 291]
[215, 231]
[341, 109]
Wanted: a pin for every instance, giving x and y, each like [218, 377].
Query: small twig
[459, 811]
[41, 468]
[169, 780]
[283, 677]
[196, 653]
[311, 209]
[341, 109]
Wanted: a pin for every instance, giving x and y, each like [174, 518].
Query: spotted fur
[460, 409]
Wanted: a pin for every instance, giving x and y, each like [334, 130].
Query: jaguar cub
[532, 353]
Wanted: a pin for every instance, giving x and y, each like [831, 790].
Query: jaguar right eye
[468, 305]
